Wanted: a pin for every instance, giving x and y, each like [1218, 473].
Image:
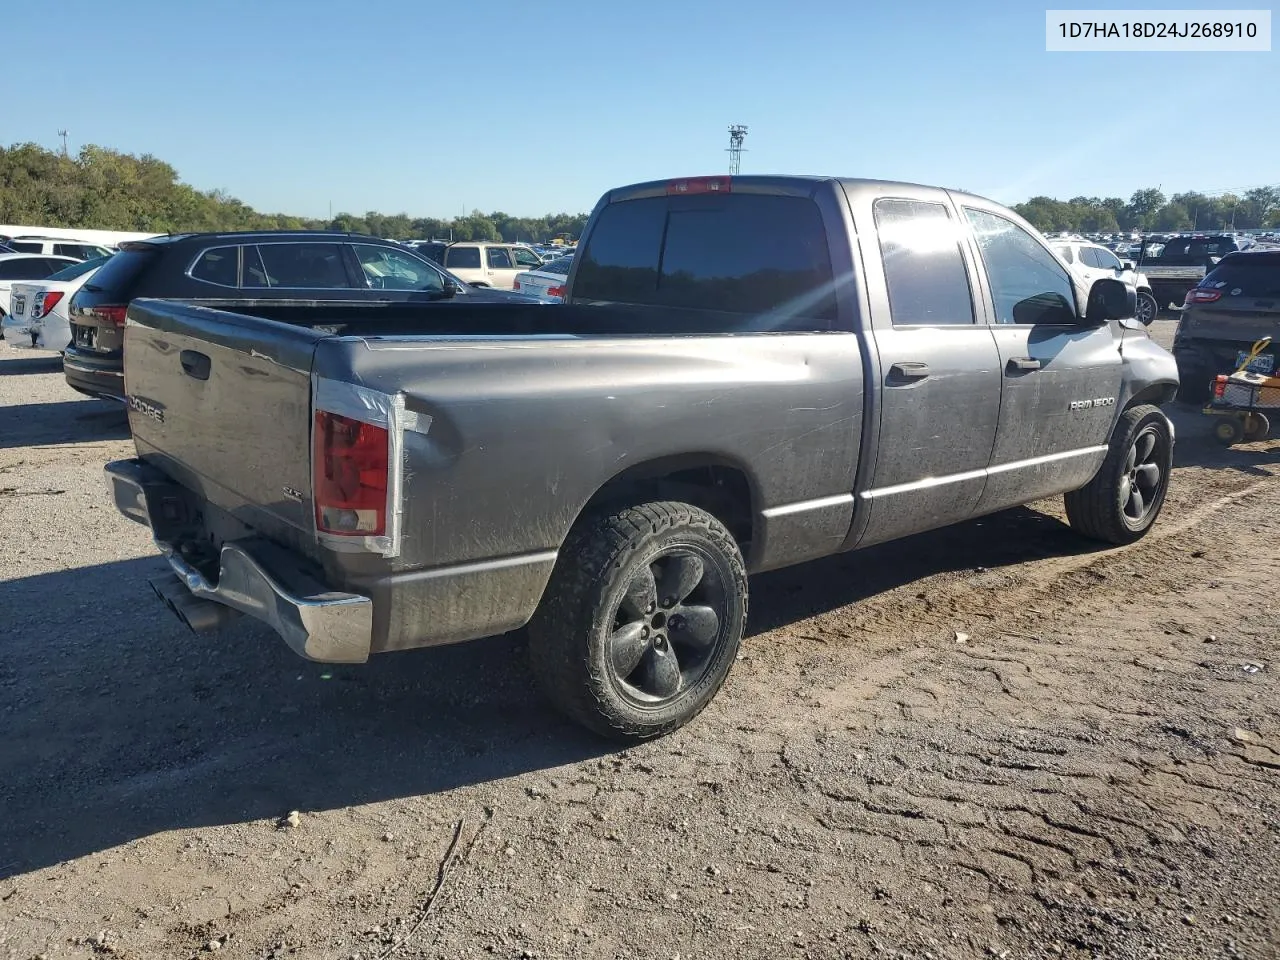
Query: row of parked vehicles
[342, 438]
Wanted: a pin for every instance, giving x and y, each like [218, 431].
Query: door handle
[195, 364]
[909, 370]
[1024, 363]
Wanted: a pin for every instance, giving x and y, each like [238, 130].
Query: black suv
[276, 270]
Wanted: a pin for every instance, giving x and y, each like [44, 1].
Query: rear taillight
[44, 303]
[112, 313]
[556, 291]
[700, 185]
[1219, 386]
[1201, 295]
[517, 284]
[351, 462]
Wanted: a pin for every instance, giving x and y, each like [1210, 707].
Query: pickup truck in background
[1175, 265]
[748, 373]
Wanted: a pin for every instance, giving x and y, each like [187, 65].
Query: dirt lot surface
[1094, 770]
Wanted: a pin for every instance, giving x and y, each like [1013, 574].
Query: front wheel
[1147, 309]
[1122, 501]
[641, 620]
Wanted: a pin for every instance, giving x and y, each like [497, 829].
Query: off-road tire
[1096, 510]
[569, 634]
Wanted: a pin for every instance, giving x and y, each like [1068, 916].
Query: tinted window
[1065, 254]
[499, 258]
[1027, 284]
[26, 246]
[302, 266]
[1106, 259]
[78, 269]
[560, 266]
[1254, 275]
[119, 274]
[923, 267]
[620, 260]
[388, 269]
[747, 254]
[463, 258]
[80, 251]
[1089, 257]
[218, 265]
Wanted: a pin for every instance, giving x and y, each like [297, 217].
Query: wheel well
[1157, 393]
[719, 488]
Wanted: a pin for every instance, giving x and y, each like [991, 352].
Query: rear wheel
[1257, 427]
[1228, 430]
[1122, 501]
[641, 620]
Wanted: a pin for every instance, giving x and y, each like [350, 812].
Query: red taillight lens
[1219, 387]
[44, 303]
[555, 291]
[112, 313]
[700, 185]
[351, 463]
[1199, 295]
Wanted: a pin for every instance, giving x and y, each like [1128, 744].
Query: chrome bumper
[317, 623]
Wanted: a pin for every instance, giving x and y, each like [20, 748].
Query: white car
[38, 318]
[547, 282]
[1092, 262]
[489, 264]
[59, 246]
[26, 266]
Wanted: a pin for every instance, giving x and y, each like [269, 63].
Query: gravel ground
[1090, 769]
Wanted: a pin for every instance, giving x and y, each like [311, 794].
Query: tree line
[105, 189]
[1151, 210]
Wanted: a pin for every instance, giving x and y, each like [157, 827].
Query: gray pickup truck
[747, 373]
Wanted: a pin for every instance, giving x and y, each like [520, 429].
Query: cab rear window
[738, 254]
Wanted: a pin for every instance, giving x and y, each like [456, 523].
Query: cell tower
[63, 135]
[737, 133]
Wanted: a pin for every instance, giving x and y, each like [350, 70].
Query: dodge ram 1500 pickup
[747, 373]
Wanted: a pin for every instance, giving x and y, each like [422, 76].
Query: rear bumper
[94, 380]
[254, 577]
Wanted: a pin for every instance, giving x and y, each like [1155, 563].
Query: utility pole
[63, 135]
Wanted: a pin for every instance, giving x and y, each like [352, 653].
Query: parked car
[1235, 305]
[75, 249]
[1092, 261]
[1176, 264]
[335, 272]
[39, 315]
[748, 373]
[25, 266]
[488, 264]
[547, 282]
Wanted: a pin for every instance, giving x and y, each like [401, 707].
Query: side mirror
[1111, 300]
[451, 289]
[1128, 265]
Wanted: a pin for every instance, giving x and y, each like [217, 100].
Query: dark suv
[283, 271]
[1235, 305]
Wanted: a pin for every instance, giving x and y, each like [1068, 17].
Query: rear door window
[741, 254]
[499, 258]
[303, 266]
[923, 268]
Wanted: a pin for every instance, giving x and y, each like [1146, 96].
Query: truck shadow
[63, 421]
[120, 724]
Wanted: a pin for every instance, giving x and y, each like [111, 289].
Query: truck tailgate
[222, 404]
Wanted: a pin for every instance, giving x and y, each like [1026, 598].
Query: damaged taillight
[351, 462]
[1219, 386]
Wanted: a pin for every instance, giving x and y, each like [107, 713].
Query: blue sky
[434, 107]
